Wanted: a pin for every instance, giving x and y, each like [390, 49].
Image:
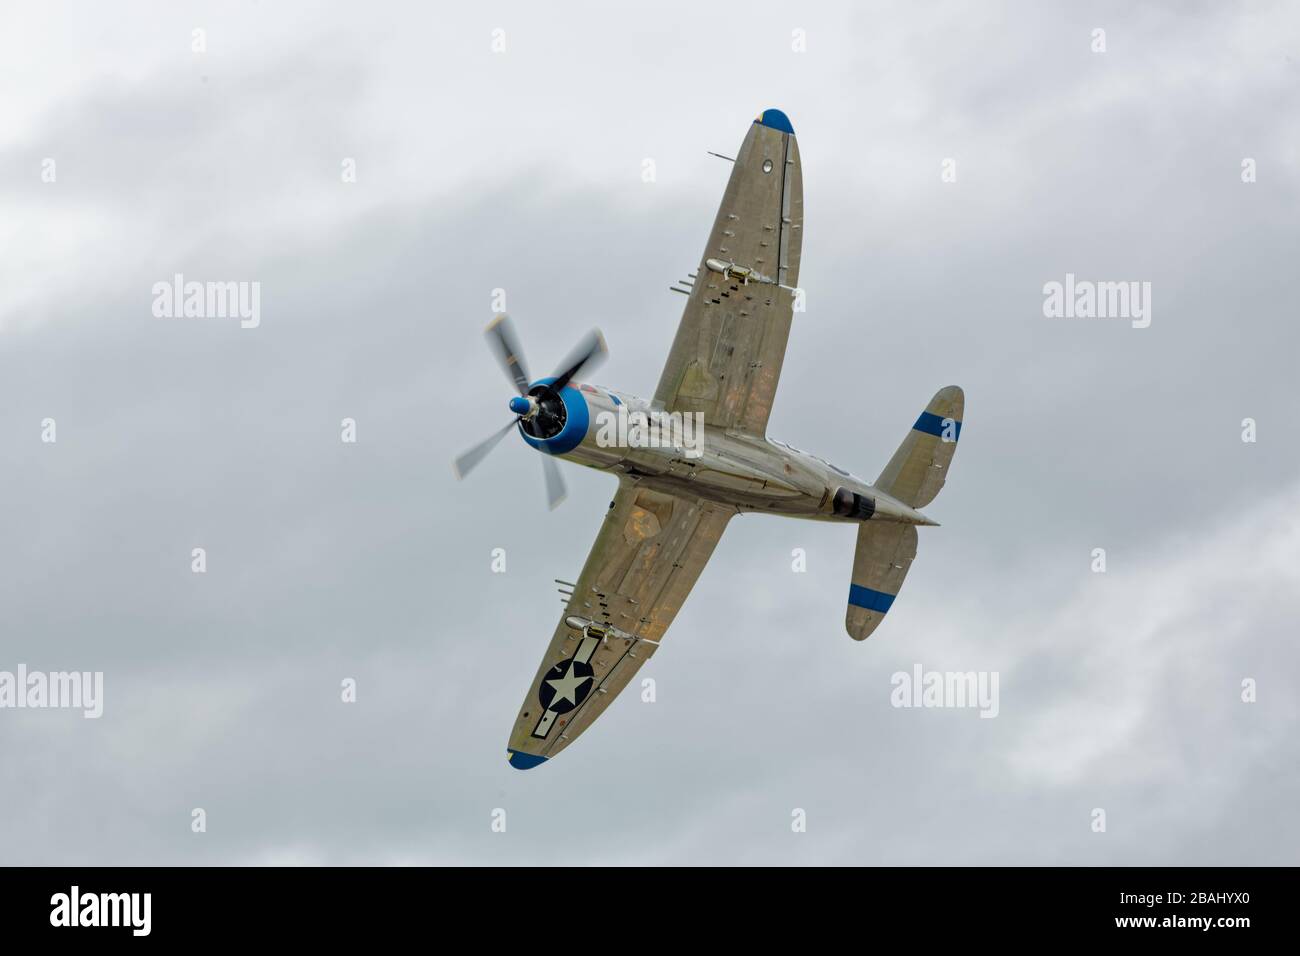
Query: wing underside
[725, 363]
[726, 357]
[647, 557]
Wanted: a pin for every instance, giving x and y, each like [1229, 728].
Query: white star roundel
[566, 685]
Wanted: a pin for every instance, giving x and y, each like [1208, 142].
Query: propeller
[501, 337]
[466, 462]
[538, 409]
[587, 353]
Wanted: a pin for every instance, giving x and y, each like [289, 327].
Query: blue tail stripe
[869, 598]
[932, 424]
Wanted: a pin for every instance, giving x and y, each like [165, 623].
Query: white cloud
[1170, 629]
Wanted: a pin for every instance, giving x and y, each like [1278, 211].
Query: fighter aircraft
[679, 485]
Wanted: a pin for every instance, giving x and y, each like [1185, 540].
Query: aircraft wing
[726, 358]
[647, 557]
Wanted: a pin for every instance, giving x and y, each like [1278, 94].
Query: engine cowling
[559, 422]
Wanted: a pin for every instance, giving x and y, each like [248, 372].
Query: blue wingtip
[775, 119]
[522, 761]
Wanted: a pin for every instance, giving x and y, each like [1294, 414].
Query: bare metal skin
[739, 471]
[675, 497]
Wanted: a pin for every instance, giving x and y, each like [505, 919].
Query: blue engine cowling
[573, 428]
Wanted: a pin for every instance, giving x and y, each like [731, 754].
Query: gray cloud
[523, 171]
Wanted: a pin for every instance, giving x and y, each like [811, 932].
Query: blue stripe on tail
[870, 599]
[932, 424]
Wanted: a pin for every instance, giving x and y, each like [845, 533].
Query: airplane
[676, 494]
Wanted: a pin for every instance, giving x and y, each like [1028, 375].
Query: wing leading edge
[647, 557]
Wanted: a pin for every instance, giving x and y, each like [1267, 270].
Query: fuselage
[622, 434]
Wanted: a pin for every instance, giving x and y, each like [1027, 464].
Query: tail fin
[918, 469]
[913, 476]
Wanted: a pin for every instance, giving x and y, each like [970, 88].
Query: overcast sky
[522, 170]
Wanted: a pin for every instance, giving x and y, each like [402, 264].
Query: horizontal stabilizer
[885, 552]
